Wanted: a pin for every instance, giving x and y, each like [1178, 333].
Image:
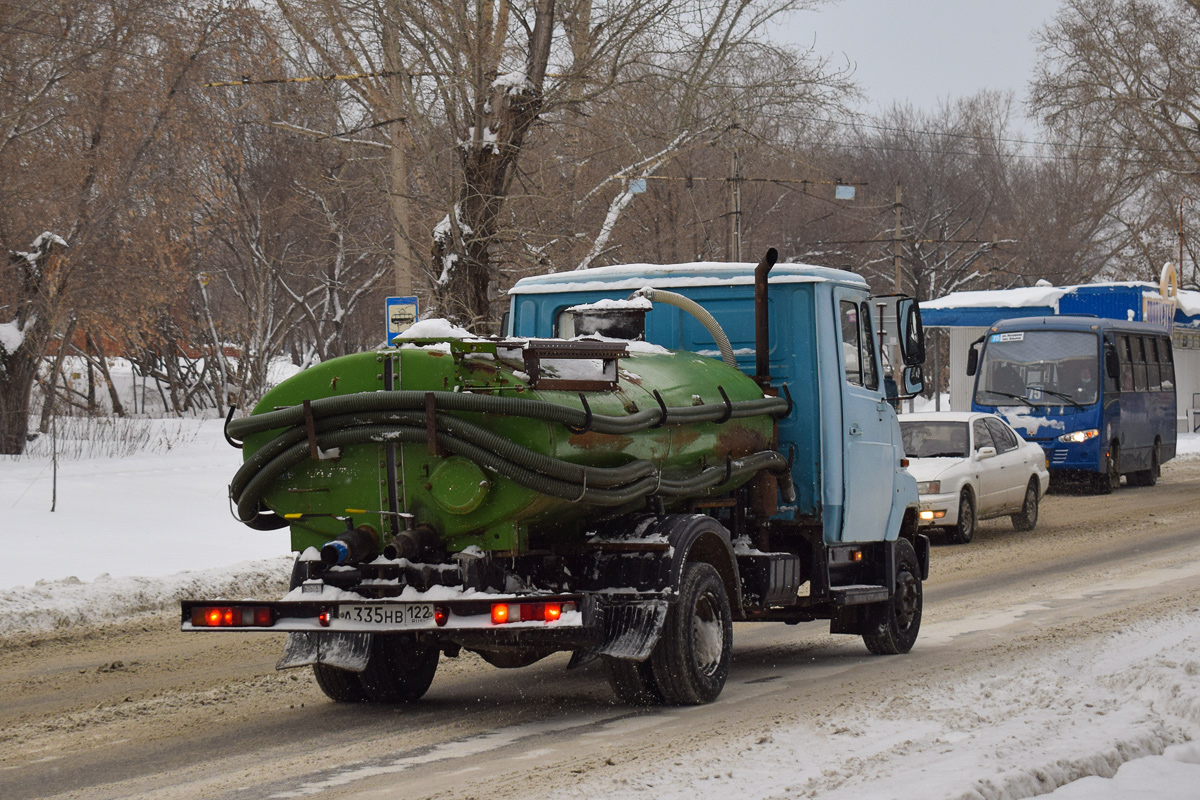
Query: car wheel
[964, 530]
[1027, 519]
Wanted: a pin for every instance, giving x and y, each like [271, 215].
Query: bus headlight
[1079, 436]
[929, 487]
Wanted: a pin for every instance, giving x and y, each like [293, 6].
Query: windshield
[934, 439]
[1039, 368]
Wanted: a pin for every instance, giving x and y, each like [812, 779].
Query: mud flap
[348, 651]
[630, 632]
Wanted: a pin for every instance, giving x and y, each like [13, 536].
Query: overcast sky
[925, 51]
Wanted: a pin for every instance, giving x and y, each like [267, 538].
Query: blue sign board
[401, 313]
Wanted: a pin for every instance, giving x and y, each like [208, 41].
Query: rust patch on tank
[600, 441]
[739, 441]
[683, 437]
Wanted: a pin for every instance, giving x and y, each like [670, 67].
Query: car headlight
[929, 487]
[1079, 436]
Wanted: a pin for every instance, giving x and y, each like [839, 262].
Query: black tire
[1148, 477]
[894, 625]
[1110, 480]
[964, 530]
[1027, 519]
[400, 668]
[632, 681]
[339, 685]
[691, 661]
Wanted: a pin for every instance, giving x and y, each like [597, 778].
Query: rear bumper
[623, 625]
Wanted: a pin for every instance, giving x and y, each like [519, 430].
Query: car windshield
[1039, 368]
[930, 439]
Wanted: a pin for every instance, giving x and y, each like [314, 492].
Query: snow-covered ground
[134, 534]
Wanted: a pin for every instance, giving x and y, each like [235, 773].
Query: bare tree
[1123, 78]
[476, 89]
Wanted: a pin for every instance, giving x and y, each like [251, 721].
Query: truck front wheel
[691, 661]
[894, 625]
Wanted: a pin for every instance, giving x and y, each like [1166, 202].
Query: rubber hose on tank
[696, 310]
[600, 477]
[413, 400]
[247, 502]
[250, 497]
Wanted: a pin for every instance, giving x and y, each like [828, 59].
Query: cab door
[867, 424]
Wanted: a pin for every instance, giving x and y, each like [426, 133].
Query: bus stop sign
[401, 313]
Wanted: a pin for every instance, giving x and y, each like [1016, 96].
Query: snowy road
[1044, 657]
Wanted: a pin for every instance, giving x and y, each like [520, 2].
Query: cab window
[852, 350]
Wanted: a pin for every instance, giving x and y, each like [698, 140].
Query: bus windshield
[1039, 368]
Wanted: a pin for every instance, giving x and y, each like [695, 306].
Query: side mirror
[984, 452]
[1111, 365]
[912, 333]
[914, 380]
[973, 356]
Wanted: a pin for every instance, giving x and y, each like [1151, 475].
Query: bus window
[1166, 364]
[1125, 357]
[1153, 381]
[1112, 383]
[1139, 363]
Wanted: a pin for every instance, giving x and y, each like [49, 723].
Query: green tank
[510, 446]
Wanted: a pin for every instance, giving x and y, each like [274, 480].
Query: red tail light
[232, 617]
[441, 615]
[529, 612]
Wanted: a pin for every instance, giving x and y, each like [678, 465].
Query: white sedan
[970, 467]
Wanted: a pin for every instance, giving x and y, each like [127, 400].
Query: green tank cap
[458, 485]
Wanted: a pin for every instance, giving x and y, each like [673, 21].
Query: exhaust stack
[762, 337]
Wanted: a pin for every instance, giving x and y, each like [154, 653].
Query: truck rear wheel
[632, 681]
[399, 670]
[894, 625]
[339, 685]
[691, 661]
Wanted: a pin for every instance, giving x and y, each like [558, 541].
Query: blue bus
[1098, 395]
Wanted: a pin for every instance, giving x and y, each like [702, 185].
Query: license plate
[411, 615]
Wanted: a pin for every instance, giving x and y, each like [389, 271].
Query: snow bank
[52, 605]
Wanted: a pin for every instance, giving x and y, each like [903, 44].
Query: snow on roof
[1048, 296]
[1032, 296]
[697, 273]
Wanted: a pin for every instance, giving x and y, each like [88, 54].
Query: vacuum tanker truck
[645, 456]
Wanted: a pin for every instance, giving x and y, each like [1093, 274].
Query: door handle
[855, 429]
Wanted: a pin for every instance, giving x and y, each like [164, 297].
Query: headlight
[929, 487]
[1079, 436]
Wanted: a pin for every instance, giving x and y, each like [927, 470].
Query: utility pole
[896, 242]
[735, 208]
[398, 179]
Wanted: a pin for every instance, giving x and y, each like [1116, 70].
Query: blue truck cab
[852, 517]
